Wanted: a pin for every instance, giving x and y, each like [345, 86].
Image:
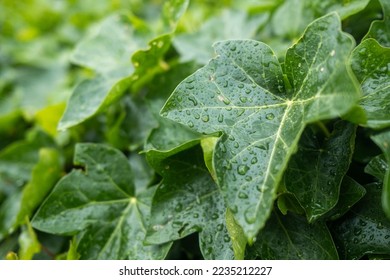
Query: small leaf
[377, 167]
[72, 252]
[242, 94]
[383, 141]
[292, 238]
[28, 241]
[371, 64]
[314, 174]
[365, 228]
[188, 201]
[101, 205]
[237, 236]
[380, 29]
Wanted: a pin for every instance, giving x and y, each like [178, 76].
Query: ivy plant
[188, 130]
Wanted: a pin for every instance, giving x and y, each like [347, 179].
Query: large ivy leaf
[242, 94]
[364, 229]
[291, 237]
[315, 172]
[101, 205]
[188, 201]
[371, 64]
[383, 141]
[380, 29]
[122, 56]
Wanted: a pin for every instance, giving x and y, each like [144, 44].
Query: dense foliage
[196, 129]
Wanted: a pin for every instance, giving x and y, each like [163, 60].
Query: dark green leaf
[314, 174]
[291, 237]
[365, 228]
[380, 29]
[377, 167]
[383, 141]
[102, 205]
[188, 201]
[242, 94]
[371, 64]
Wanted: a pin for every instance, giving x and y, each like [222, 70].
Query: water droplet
[357, 231]
[248, 178]
[189, 86]
[379, 225]
[270, 116]
[243, 99]
[248, 91]
[362, 223]
[205, 118]
[220, 227]
[196, 215]
[242, 169]
[214, 216]
[177, 224]
[231, 137]
[178, 207]
[242, 195]
[240, 85]
[254, 160]
[322, 69]
[226, 101]
[220, 118]
[240, 111]
[234, 209]
[233, 48]
[226, 238]
[250, 215]
[190, 124]
[332, 53]
[236, 145]
[196, 116]
[193, 100]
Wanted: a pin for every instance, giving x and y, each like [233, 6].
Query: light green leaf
[189, 201]
[292, 238]
[122, 56]
[242, 94]
[237, 236]
[28, 242]
[229, 25]
[364, 229]
[383, 141]
[380, 29]
[314, 174]
[371, 64]
[208, 146]
[101, 205]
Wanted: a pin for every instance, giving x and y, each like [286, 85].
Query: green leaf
[229, 25]
[380, 29]
[350, 193]
[242, 94]
[290, 238]
[188, 201]
[28, 242]
[208, 146]
[122, 56]
[72, 252]
[365, 228]
[237, 236]
[101, 205]
[377, 167]
[383, 141]
[314, 174]
[370, 62]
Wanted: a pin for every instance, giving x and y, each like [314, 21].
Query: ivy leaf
[383, 141]
[380, 29]
[370, 62]
[121, 56]
[101, 205]
[188, 201]
[350, 193]
[364, 229]
[229, 25]
[242, 94]
[291, 237]
[377, 167]
[315, 172]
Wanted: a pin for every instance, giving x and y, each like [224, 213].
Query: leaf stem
[323, 128]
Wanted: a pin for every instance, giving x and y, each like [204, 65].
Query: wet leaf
[371, 64]
[314, 174]
[380, 29]
[383, 141]
[292, 238]
[364, 229]
[188, 201]
[244, 94]
[101, 205]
